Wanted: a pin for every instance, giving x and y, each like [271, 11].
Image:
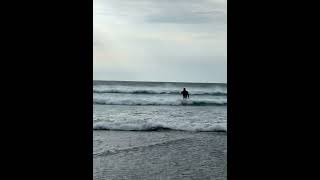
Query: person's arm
[188, 95]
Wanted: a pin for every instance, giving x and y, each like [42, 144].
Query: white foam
[150, 126]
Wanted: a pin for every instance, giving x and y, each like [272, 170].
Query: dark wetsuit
[185, 94]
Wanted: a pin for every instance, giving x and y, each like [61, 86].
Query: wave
[215, 93]
[148, 126]
[137, 148]
[140, 102]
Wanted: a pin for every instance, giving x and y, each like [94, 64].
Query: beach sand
[159, 155]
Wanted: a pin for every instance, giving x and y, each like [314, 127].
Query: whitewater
[155, 106]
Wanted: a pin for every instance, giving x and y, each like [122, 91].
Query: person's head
[184, 89]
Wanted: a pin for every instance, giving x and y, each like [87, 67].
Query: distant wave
[157, 84]
[163, 103]
[215, 93]
[147, 126]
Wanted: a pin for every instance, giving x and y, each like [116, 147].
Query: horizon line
[162, 81]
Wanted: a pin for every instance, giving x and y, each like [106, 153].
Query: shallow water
[159, 155]
[146, 118]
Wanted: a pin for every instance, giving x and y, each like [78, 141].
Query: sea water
[145, 130]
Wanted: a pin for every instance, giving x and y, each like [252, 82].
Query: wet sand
[159, 155]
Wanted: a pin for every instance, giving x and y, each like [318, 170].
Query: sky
[160, 40]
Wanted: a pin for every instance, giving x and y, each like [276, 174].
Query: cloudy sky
[160, 40]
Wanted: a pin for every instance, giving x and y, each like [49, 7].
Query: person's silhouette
[185, 93]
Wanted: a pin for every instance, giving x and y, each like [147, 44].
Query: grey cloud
[188, 18]
[165, 11]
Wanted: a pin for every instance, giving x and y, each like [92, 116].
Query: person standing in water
[185, 93]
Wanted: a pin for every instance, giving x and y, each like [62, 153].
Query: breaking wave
[213, 93]
[141, 102]
[148, 126]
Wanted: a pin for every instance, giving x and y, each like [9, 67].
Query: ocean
[145, 130]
